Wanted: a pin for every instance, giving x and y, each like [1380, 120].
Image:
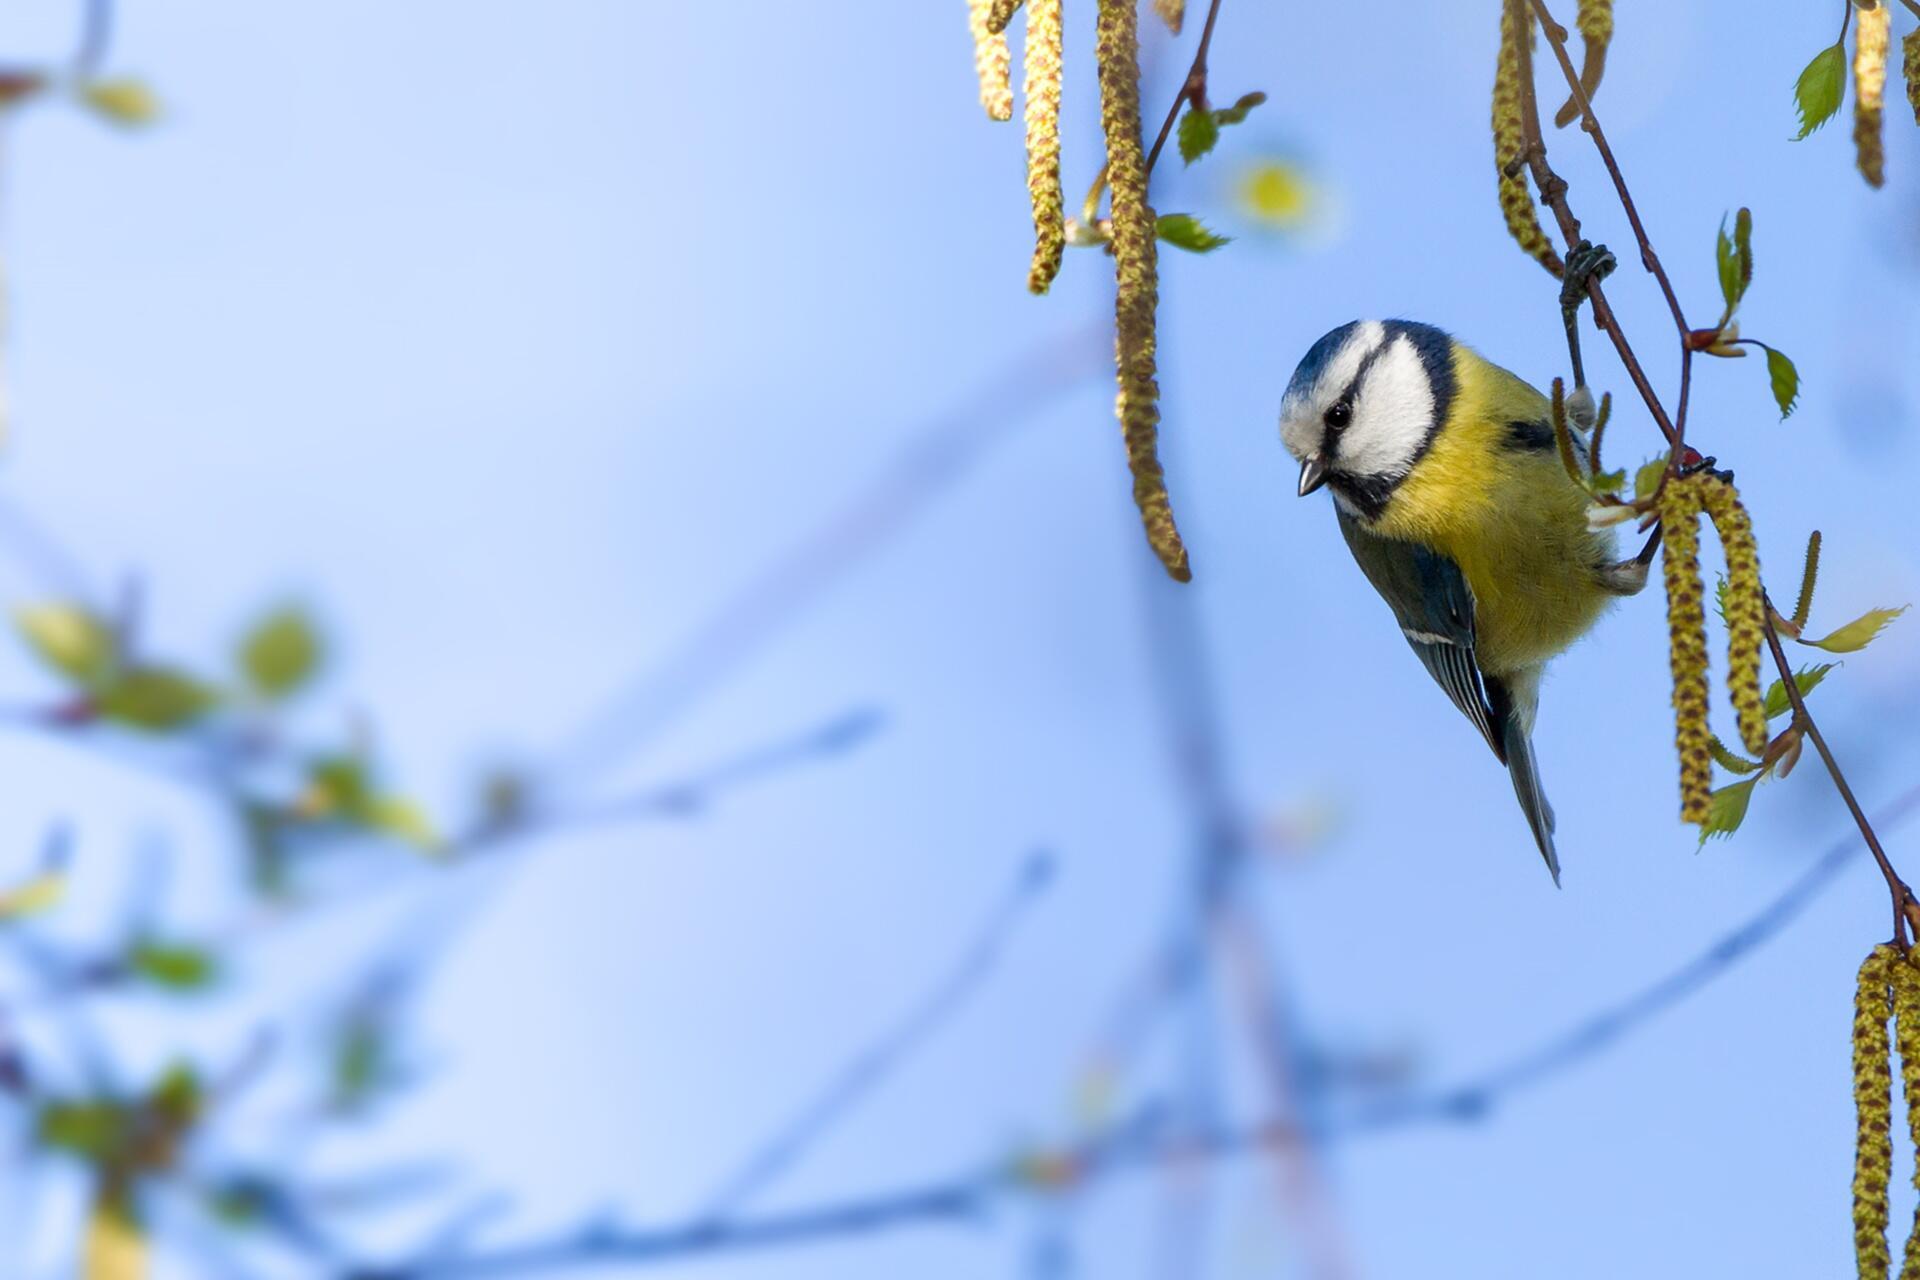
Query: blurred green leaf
[403, 820]
[69, 639]
[1184, 231]
[35, 896]
[1816, 94]
[123, 100]
[175, 966]
[91, 1129]
[1859, 633]
[177, 1096]
[1778, 703]
[1198, 132]
[280, 653]
[1727, 809]
[157, 699]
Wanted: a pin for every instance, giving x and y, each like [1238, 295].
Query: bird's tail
[1517, 739]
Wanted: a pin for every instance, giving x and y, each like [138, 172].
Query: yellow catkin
[1172, 12]
[115, 1248]
[1509, 139]
[991, 61]
[1746, 606]
[1595, 20]
[1687, 645]
[1906, 1023]
[1117, 49]
[1042, 60]
[1873, 1111]
[1872, 31]
[1910, 67]
[1001, 14]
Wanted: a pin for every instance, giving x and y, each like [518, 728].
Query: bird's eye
[1339, 415]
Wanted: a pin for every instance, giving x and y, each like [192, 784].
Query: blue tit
[1448, 486]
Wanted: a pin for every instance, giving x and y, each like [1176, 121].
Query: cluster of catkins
[1131, 225]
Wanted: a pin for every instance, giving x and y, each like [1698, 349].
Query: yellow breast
[1510, 518]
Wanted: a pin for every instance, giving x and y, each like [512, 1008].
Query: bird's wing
[1434, 606]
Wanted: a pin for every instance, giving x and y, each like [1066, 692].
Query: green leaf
[280, 653]
[1734, 257]
[68, 638]
[1647, 478]
[1198, 132]
[1859, 633]
[1607, 482]
[1785, 379]
[158, 699]
[175, 966]
[1727, 809]
[1238, 111]
[1816, 94]
[1184, 231]
[1778, 703]
[1728, 759]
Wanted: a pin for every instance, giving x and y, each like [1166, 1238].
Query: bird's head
[1364, 406]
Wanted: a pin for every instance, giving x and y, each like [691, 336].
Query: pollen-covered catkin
[1906, 1031]
[1746, 604]
[1509, 138]
[1872, 31]
[1687, 644]
[1136, 271]
[1042, 61]
[1873, 1111]
[1172, 12]
[991, 61]
[1595, 20]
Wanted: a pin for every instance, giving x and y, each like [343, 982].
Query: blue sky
[520, 342]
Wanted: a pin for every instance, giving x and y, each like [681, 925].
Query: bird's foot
[1586, 262]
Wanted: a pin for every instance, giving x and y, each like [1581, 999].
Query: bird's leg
[1628, 577]
[1585, 261]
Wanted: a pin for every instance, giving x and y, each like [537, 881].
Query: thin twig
[1193, 89]
[869, 1069]
[1905, 910]
[1553, 193]
[932, 461]
[1136, 1143]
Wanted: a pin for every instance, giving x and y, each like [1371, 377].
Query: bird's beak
[1313, 474]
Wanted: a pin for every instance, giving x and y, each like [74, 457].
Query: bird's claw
[1586, 262]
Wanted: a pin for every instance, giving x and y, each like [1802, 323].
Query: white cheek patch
[1392, 415]
[1303, 412]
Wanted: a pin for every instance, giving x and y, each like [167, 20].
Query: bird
[1449, 489]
